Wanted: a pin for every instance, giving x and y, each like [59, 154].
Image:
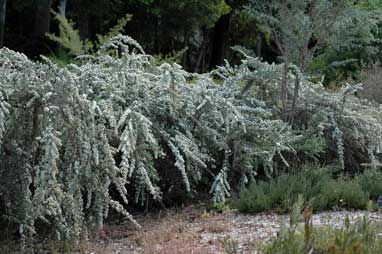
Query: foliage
[287, 240]
[69, 37]
[315, 184]
[114, 129]
[109, 122]
[292, 24]
[370, 183]
[355, 43]
[372, 78]
[173, 57]
[335, 39]
[351, 126]
[230, 246]
[360, 236]
[164, 27]
[344, 193]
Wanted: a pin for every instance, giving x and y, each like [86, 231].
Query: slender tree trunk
[219, 38]
[42, 18]
[62, 7]
[156, 36]
[199, 66]
[259, 44]
[3, 8]
[185, 62]
[83, 25]
[284, 90]
[297, 84]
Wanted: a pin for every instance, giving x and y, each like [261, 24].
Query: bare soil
[199, 232]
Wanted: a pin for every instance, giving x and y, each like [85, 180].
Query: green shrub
[371, 183]
[317, 186]
[254, 199]
[281, 192]
[344, 193]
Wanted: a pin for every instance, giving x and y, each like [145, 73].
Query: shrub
[255, 199]
[315, 184]
[370, 181]
[350, 126]
[281, 192]
[344, 193]
[116, 121]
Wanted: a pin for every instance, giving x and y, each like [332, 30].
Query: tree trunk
[200, 66]
[185, 62]
[83, 25]
[219, 38]
[297, 84]
[3, 8]
[284, 91]
[156, 36]
[42, 18]
[62, 7]
[259, 44]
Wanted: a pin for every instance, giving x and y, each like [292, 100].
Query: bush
[114, 129]
[281, 192]
[256, 198]
[315, 184]
[371, 183]
[344, 193]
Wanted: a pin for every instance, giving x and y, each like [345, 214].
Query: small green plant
[173, 57]
[71, 43]
[69, 37]
[230, 246]
[358, 237]
[221, 207]
[289, 239]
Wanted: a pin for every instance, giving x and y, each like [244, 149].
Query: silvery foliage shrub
[70, 134]
[354, 124]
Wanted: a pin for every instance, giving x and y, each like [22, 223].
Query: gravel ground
[195, 231]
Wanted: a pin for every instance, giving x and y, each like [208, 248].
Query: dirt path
[195, 231]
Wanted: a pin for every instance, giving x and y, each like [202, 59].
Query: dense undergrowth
[301, 236]
[113, 129]
[320, 187]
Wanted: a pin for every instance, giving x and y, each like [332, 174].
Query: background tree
[3, 7]
[211, 28]
[299, 29]
[355, 44]
[62, 7]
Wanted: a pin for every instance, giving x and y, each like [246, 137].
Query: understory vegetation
[320, 187]
[113, 130]
[300, 235]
